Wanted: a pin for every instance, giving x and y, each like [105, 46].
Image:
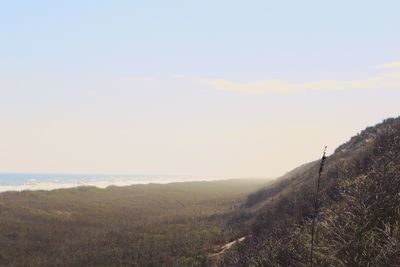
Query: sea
[50, 181]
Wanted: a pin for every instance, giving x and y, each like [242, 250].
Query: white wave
[34, 184]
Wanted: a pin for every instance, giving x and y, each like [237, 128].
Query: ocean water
[48, 181]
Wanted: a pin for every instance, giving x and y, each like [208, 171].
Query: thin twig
[316, 202]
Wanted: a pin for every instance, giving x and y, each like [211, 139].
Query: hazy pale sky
[227, 88]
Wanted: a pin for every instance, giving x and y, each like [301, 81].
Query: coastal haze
[203, 89]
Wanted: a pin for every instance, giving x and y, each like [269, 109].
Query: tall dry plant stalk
[316, 202]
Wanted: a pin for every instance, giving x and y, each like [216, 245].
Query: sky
[209, 88]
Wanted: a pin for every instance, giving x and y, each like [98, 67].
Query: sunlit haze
[213, 88]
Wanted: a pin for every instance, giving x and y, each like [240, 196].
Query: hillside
[141, 225]
[358, 223]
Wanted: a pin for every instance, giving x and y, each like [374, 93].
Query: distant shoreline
[48, 182]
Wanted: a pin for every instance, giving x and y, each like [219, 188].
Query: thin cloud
[286, 86]
[381, 81]
[390, 65]
[393, 75]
